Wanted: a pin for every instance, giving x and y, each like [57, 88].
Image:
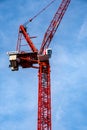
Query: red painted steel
[44, 97]
[19, 41]
[23, 31]
[54, 25]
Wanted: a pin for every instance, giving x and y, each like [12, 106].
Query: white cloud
[83, 31]
[70, 70]
[59, 113]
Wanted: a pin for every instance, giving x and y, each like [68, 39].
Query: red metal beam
[22, 31]
[44, 97]
[54, 25]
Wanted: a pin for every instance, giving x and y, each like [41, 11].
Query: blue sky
[18, 90]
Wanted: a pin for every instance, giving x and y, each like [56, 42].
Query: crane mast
[37, 59]
[44, 97]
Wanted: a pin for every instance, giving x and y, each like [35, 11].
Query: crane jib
[54, 25]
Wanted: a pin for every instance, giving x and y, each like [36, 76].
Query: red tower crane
[40, 60]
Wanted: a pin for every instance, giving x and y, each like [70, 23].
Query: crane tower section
[44, 97]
